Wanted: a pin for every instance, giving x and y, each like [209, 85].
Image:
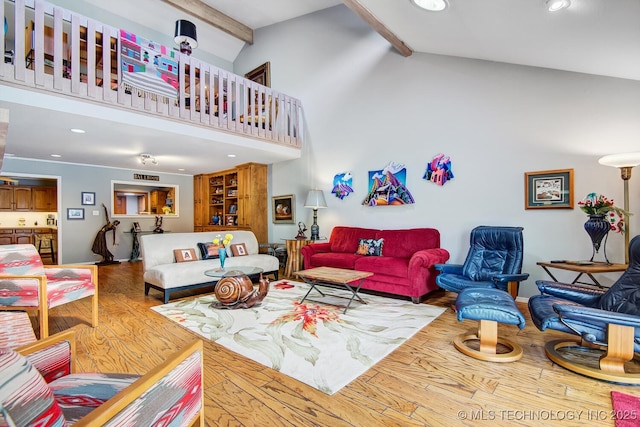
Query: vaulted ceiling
[599, 37]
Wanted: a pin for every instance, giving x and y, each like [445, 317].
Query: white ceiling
[593, 36]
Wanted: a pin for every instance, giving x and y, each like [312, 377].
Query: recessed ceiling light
[431, 5]
[75, 130]
[556, 5]
[231, 155]
[56, 155]
[9, 154]
[181, 169]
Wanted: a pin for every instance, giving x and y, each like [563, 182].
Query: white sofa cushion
[161, 269]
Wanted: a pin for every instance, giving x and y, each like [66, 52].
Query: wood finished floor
[425, 382]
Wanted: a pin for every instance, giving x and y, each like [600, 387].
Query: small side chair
[494, 260]
[27, 284]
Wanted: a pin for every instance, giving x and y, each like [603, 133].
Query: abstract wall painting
[439, 170]
[387, 187]
[342, 185]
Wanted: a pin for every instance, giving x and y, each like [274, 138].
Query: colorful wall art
[342, 185]
[388, 187]
[439, 170]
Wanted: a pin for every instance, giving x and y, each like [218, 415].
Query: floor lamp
[315, 200]
[626, 162]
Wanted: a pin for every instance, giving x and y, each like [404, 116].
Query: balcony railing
[67, 54]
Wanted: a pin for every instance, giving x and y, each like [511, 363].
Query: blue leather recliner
[608, 322]
[494, 260]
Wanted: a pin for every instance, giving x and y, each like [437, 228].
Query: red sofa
[405, 267]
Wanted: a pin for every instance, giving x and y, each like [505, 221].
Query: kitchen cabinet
[44, 199]
[23, 235]
[158, 201]
[6, 237]
[28, 199]
[13, 198]
[6, 198]
[22, 199]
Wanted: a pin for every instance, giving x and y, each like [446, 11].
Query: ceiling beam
[377, 25]
[212, 16]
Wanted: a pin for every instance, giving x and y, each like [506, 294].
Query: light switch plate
[96, 213]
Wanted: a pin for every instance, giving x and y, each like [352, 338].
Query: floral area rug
[315, 343]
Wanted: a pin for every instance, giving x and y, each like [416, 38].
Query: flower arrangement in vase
[604, 216]
[597, 204]
[222, 246]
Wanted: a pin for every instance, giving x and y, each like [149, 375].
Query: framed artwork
[88, 198]
[75, 213]
[387, 187]
[552, 189]
[261, 74]
[136, 227]
[185, 255]
[282, 209]
[238, 249]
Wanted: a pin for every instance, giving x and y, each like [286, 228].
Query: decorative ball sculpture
[238, 292]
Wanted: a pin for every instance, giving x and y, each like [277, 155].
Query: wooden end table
[294, 258]
[581, 268]
[336, 278]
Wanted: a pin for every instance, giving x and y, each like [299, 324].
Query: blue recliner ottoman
[490, 307]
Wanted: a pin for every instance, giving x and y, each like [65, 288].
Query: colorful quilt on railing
[148, 66]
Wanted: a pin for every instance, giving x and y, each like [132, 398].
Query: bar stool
[46, 246]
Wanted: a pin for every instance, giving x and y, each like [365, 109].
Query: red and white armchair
[39, 386]
[27, 284]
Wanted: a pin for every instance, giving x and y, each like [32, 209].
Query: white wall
[366, 105]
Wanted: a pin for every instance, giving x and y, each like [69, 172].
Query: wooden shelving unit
[232, 199]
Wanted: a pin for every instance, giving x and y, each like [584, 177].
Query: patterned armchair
[27, 284]
[38, 386]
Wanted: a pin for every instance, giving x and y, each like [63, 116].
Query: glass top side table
[233, 271]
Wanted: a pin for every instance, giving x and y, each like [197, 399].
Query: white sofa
[162, 272]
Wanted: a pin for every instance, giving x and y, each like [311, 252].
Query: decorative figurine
[99, 246]
[230, 220]
[301, 229]
[158, 228]
[215, 219]
[238, 292]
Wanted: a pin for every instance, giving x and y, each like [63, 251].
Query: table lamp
[315, 200]
[626, 162]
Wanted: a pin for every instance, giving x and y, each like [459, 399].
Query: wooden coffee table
[336, 278]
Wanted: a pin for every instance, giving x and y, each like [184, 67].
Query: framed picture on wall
[88, 198]
[552, 189]
[261, 74]
[75, 213]
[282, 207]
